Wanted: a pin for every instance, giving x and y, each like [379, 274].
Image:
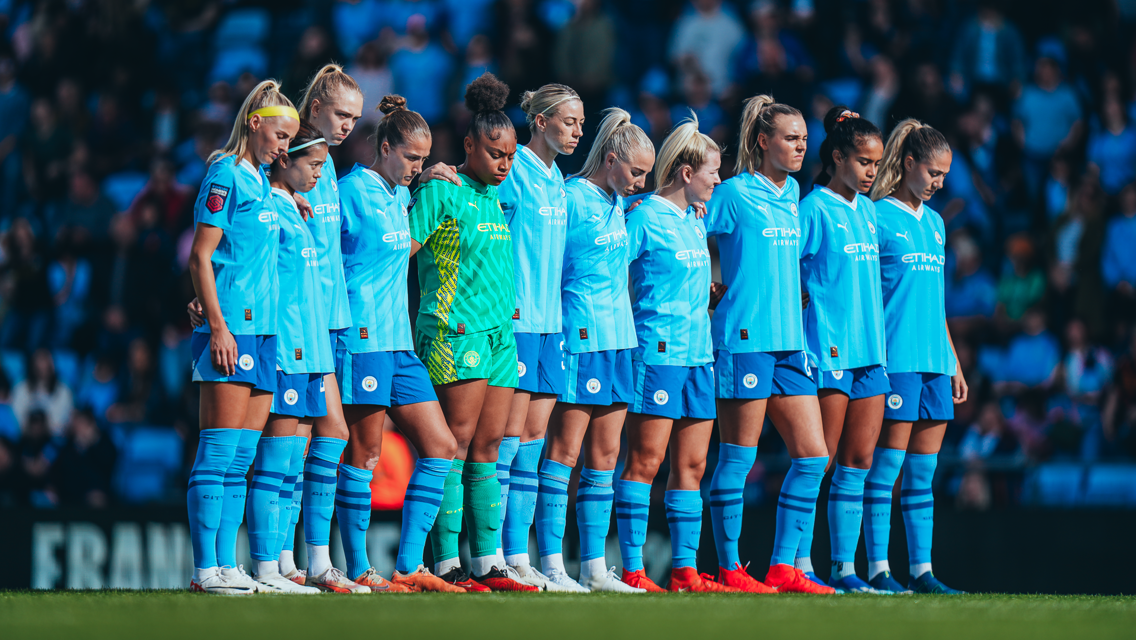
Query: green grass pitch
[170, 615]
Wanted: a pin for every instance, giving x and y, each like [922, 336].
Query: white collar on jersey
[918, 213]
[287, 196]
[389, 190]
[674, 207]
[840, 198]
[780, 191]
[609, 198]
[253, 170]
[525, 151]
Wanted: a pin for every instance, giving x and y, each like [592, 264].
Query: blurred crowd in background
[109, 109]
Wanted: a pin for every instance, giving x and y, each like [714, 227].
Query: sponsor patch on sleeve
[413, 201]
[218, 195]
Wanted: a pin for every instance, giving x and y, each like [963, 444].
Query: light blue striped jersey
[912, 257]
[326, 226]
[301, 345]
[840, 270]
[534, 202]
[670, 276]
[759, 236]
[376, 256]
[597, 306]
[234, 198]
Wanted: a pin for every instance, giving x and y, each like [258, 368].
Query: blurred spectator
[1119, 413]
[1047, 119]
[970, 291]
[987, 436]
[114, 136]
[698, 99]
[706, 36]
[468, 19]
[584, 56]
[9, 425]
[13, 119]
[99, 391]
[43, 391]
[85, 207]
[1118, 262]
[1023, 284]
[44, 148]
[314, 51]
[1029, 424]
[84, 465]
[24, 287]
[1075, 257]
[522, 45]
[1057, 185]
[1112, 148]
[69, 277]
[373, 74]
[163, 192]
[1032, 356]
[421, 71]
[355, 22]
[193, 153]
[37, 450]
[771, 60]
[142, 398]
[988, 53]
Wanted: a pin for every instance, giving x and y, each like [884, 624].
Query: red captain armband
[217, 197]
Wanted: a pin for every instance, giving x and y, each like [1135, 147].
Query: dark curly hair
[843, 132]
[486, 97]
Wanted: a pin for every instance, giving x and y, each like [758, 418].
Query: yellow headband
[268, 112]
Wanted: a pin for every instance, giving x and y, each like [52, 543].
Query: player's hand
[223, 351]
[959, 390]
[717, 292]
[440, 171]
[804, 299]
[699, 210]
[196, 313]
[305, 207]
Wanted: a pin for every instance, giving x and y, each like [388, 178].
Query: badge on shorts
[516, 314]
[745, 334]
[248, 314]
[661, 397]
[838, 374]
[593, 386]
[895, 401]
[583, 333]
[471, 358]
[299, 354]
[362, 333]
[246, 362]
[750, 381]
[662, 347]
[461, 328]
[217, 197]
[370, 384]
[832, 351]
[291, 397]
[521, 369]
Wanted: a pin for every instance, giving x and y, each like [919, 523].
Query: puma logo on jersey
[473, 205]
[841, 226]
[903, 235]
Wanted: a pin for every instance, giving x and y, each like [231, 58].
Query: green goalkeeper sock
[483, 517]
[447, 526]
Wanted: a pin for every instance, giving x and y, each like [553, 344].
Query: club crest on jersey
[291, 397]
[593, 386]
[938, 238]
[895, 401]
[838, 374]
[246, 362]
[661, 397]
[793, 209]
[698, 230]
[872, 228]
[217, 197]
[521, 369]
[750, 381]
[370, 384]
[471, 358]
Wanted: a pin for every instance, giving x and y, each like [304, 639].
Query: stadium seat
[1055, 485]
[1111, 485]
[231, 63]
[122, 187]
[149, 457]
[241, 28]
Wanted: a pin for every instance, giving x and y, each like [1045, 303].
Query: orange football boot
[640, 580]
[739, 578]
[423, 580]
[378, 584]
[786, 578]
[687, 579]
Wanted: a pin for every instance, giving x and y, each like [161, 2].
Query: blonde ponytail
[685, 145]
[759, 116]
[546, 101]
[616, 135]
[265, 94]
[325, 84]
[909, 138]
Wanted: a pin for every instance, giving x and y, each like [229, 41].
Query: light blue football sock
[593, 511]
[353, 509]
[552, 507]
[264, 502]
[726, 500]
[795, 507]
[505, 455]
[319, 488]
[287, 541]
[423, 499]
[878, 487]
[918, 504]
[233, 502]
[684, 518]
[632, 506]
[523, 487]
[845, 511]
[215, 452]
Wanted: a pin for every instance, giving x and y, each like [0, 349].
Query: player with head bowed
[926, 381]
[844, 330]
[233, 266]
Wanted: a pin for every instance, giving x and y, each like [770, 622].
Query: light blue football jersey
[326, 226]
[376, 256]
[233, 198]
[758, 228]
[301, 345]
[840, 269]
[670, 276]
[912, 257]
[535, 206]
[597, 305]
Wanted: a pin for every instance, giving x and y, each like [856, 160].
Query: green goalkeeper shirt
[465, 266]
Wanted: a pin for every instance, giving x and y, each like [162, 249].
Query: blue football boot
[928, 583]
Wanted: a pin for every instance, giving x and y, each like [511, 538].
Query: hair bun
[486, 93]
[392, 103]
